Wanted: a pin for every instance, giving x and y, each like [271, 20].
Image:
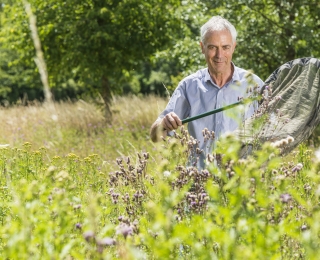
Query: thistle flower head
[124, 229]
[285, 198]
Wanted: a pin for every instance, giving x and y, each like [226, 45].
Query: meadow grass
[81, 128]
[75, 187]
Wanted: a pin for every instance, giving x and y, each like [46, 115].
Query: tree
[271, 32]
[96, 42]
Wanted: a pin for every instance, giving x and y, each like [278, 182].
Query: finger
[176, 119]
[168, 122]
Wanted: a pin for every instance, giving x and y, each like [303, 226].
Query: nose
[218, 53]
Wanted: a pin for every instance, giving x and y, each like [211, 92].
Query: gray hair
[218, 23]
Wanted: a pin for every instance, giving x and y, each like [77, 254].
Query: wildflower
[307, 187]
[89, 236]
[304, 227]
[124, 230]
[297, 168]
[119, 161]
[107, 241]
[78, 206]
[284, 142]
[146, 155]
[78, 226]
[166, 173]
[290, 139]
[210, 158]
[317, 154]
[285, 198]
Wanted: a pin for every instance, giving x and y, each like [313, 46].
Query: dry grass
[31, 122]
[134, 110]
[80, 127]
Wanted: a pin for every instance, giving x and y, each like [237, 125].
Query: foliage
[94, 43]
[83, 41]
[149, 203]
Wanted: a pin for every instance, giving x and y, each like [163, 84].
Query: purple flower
[78, 226]
[124, 230]
[89, 236]
[285, 198]
[107, 241]
[304, 227]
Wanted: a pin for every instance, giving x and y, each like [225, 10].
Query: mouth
[218, 62]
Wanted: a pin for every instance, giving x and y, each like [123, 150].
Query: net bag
[289, 108]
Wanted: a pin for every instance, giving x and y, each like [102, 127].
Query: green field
[75, 187]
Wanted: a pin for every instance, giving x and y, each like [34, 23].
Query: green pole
[189, 119]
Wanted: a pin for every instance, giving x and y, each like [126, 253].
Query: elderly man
[219, 84]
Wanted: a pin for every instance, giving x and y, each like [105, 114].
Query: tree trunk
[106, 95]
[39, 59]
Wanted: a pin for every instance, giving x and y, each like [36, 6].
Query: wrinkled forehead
[218, 36]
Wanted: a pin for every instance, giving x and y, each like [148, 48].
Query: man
[218, 85]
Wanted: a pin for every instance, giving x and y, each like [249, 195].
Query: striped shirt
[197, 94]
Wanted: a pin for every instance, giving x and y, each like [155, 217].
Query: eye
[226, 47]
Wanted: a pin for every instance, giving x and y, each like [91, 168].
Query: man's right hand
[162, 126]
[171, 122]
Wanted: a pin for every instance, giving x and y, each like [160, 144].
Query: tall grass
[80, 127]
[74, 187]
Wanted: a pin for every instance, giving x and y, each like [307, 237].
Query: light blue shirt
[197, 94]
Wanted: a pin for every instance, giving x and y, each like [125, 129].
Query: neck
[220, 79]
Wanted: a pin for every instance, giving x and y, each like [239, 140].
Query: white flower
[299, 166]
[166, 173]
[317, 154]
[290, 139]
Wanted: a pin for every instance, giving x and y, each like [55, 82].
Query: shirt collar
[235, 76]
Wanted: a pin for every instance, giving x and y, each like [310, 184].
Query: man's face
[218, 49]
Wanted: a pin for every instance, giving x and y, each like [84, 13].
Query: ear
[202, 47]
[234, 46]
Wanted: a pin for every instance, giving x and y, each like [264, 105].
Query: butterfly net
[289, 109]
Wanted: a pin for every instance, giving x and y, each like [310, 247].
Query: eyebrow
[227, 45]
